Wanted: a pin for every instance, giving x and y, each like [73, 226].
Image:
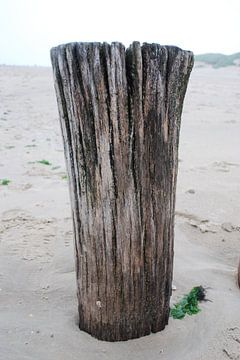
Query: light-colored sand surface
[38, 306]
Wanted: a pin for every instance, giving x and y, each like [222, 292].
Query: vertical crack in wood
[120, 112]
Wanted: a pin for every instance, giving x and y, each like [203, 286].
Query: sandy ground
[38, 306]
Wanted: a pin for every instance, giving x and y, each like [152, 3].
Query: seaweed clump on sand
[189, 303]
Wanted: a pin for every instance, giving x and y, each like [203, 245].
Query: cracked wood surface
[120, 113]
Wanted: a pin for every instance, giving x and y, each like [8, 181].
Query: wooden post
[120, 112]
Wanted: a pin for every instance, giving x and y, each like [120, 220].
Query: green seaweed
[4, 181]
[44, 162]
[188, 304]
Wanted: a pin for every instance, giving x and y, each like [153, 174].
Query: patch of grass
[189, 303]
[4, 181]
[44, 162]
[64, 177]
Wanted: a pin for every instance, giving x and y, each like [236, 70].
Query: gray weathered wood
[120, 112]
[238, 274]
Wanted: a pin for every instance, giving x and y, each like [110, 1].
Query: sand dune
[38, 306]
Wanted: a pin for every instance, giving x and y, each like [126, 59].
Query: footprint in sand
[21, 187]
[230, 121]
[232, 343]
[27, 237]
[203, 225]
[229, 227]
[68, 236]
[224, 166]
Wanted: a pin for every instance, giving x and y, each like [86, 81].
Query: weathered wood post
[120, 112]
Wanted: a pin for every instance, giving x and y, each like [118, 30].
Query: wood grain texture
[238, 274]
[120, 112]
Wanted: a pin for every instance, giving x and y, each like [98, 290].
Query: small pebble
[191, 191]
[98, 303]
[227, 227]
[52, 335]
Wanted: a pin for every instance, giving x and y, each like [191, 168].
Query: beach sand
[38, 304]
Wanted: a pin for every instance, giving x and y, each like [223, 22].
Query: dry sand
[38, 306]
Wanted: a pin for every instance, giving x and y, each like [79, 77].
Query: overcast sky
[29, 28]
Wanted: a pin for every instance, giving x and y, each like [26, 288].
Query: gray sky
[29, 28]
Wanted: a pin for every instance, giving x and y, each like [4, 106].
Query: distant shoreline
[219, 60]
[215, 60]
